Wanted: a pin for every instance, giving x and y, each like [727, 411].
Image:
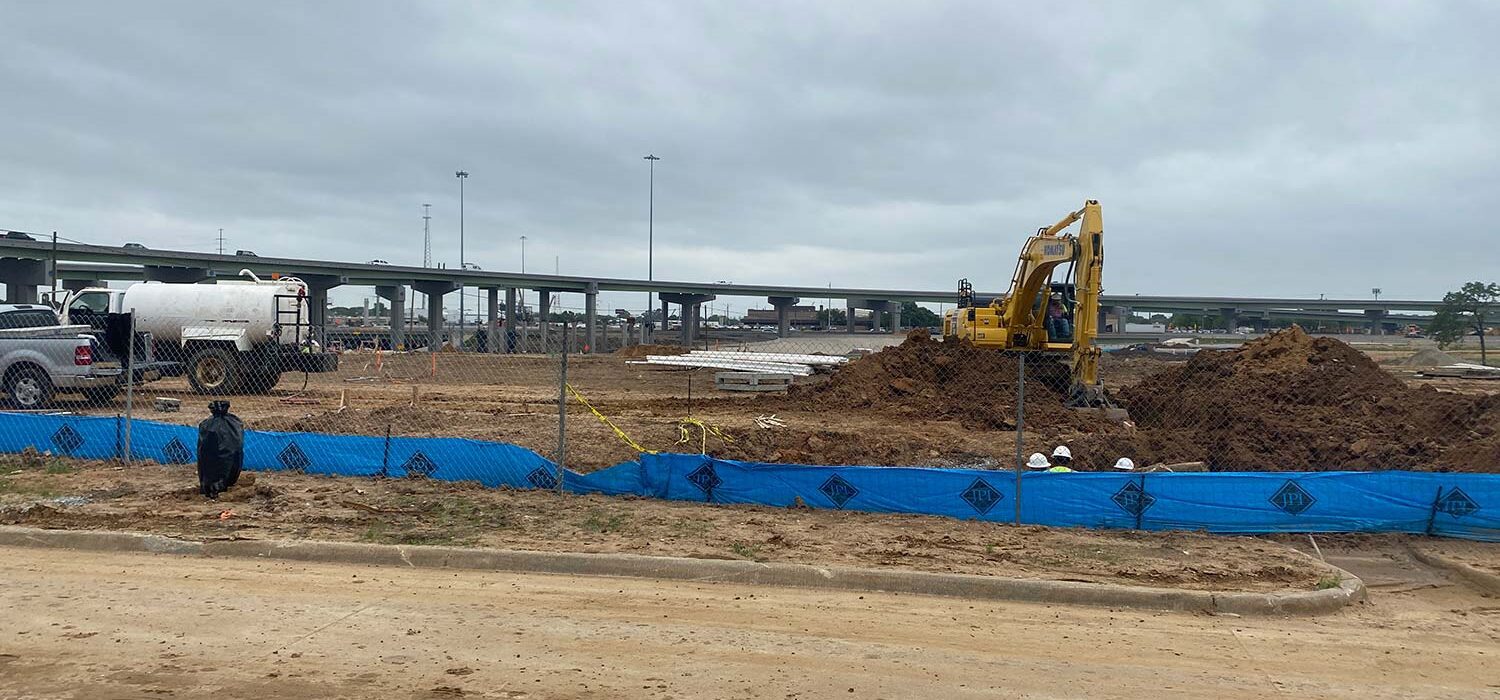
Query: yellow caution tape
[686, 434]
[633, 444]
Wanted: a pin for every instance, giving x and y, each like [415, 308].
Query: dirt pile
[1291, 401]
[635, 351]
[937, 380]
[1429, 357]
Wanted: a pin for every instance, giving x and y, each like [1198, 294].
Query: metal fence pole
[1020, 428]
[562, 410]
[129, 385]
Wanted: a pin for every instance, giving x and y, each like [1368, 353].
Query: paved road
[149, 626]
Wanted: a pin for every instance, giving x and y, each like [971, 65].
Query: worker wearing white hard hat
[1062, 456]
[1124, 464]
[1038, 461]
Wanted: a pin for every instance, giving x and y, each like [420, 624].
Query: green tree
[914, 316]
[1465, 311]
[831, 317]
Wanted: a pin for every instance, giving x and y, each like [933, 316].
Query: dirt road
[144, 626]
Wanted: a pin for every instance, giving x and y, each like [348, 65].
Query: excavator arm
[1089, 282]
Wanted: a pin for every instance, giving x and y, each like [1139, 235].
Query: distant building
[800, 316]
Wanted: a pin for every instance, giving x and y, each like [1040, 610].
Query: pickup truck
[39, 358]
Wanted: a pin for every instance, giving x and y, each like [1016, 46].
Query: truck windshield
[97, 302]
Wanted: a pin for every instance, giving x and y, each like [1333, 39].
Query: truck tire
[101, 396]
[260, 382]
[29, 388]
[214, 371]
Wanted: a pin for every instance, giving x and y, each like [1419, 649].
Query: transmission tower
[426, 235]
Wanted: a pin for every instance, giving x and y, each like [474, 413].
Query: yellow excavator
[1052, 318]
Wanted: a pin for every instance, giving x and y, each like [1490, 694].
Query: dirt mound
[939, 380]
[1291, 401]
[644, 350]
[1429, 358]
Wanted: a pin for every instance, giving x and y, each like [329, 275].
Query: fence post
[1020, 428]
[562, 411]
[1432, 516]
[119, 437]
[1140, 513]
[129, 385]
[385, 458]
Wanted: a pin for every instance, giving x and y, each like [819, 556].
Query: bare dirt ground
[54, 493]
[134, 626]
[967, 419]
[1480, 555]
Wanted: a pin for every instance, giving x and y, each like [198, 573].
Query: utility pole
[650, 242]
[461, 175]
[221, 241]
[426, 235]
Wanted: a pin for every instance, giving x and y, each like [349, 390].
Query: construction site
[1288, 401]
[767, 352]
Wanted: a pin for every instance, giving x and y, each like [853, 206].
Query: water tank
[164, 309]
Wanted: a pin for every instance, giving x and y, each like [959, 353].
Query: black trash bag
[221, 450]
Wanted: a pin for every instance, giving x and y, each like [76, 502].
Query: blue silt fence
[1450, 504]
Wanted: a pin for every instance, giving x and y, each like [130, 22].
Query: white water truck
[235, 336]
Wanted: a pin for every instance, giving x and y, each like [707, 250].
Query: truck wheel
[214, 371]
[261, 382]
[101, 396]
[29, 388]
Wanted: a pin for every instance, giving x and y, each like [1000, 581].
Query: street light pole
[523, 255]
[461, 175]
[651, 241]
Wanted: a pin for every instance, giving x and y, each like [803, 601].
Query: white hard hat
[1125, 464]
[1037, 461]
[1062, 451]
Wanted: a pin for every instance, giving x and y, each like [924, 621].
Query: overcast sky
[1269, 149]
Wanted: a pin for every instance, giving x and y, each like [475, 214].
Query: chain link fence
[586, 401]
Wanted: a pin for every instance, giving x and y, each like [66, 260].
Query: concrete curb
[1350, 589]
[96, 541]
[1484, 581]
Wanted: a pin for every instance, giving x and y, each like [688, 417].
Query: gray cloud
[1273, 149]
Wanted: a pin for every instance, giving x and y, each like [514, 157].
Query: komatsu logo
[1053, 249]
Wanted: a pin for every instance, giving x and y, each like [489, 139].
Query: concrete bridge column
[895, 307]
[783, 306]
[512, 312]
[396, 295]
[876, 306]
[21, 277]
[849, 316]
[691, 312]
[317, 301]
[492, 320]
[1377, 320]
[544, 309]
[435, 290]
[591, 313]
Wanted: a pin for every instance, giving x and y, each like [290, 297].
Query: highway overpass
[27, 263]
